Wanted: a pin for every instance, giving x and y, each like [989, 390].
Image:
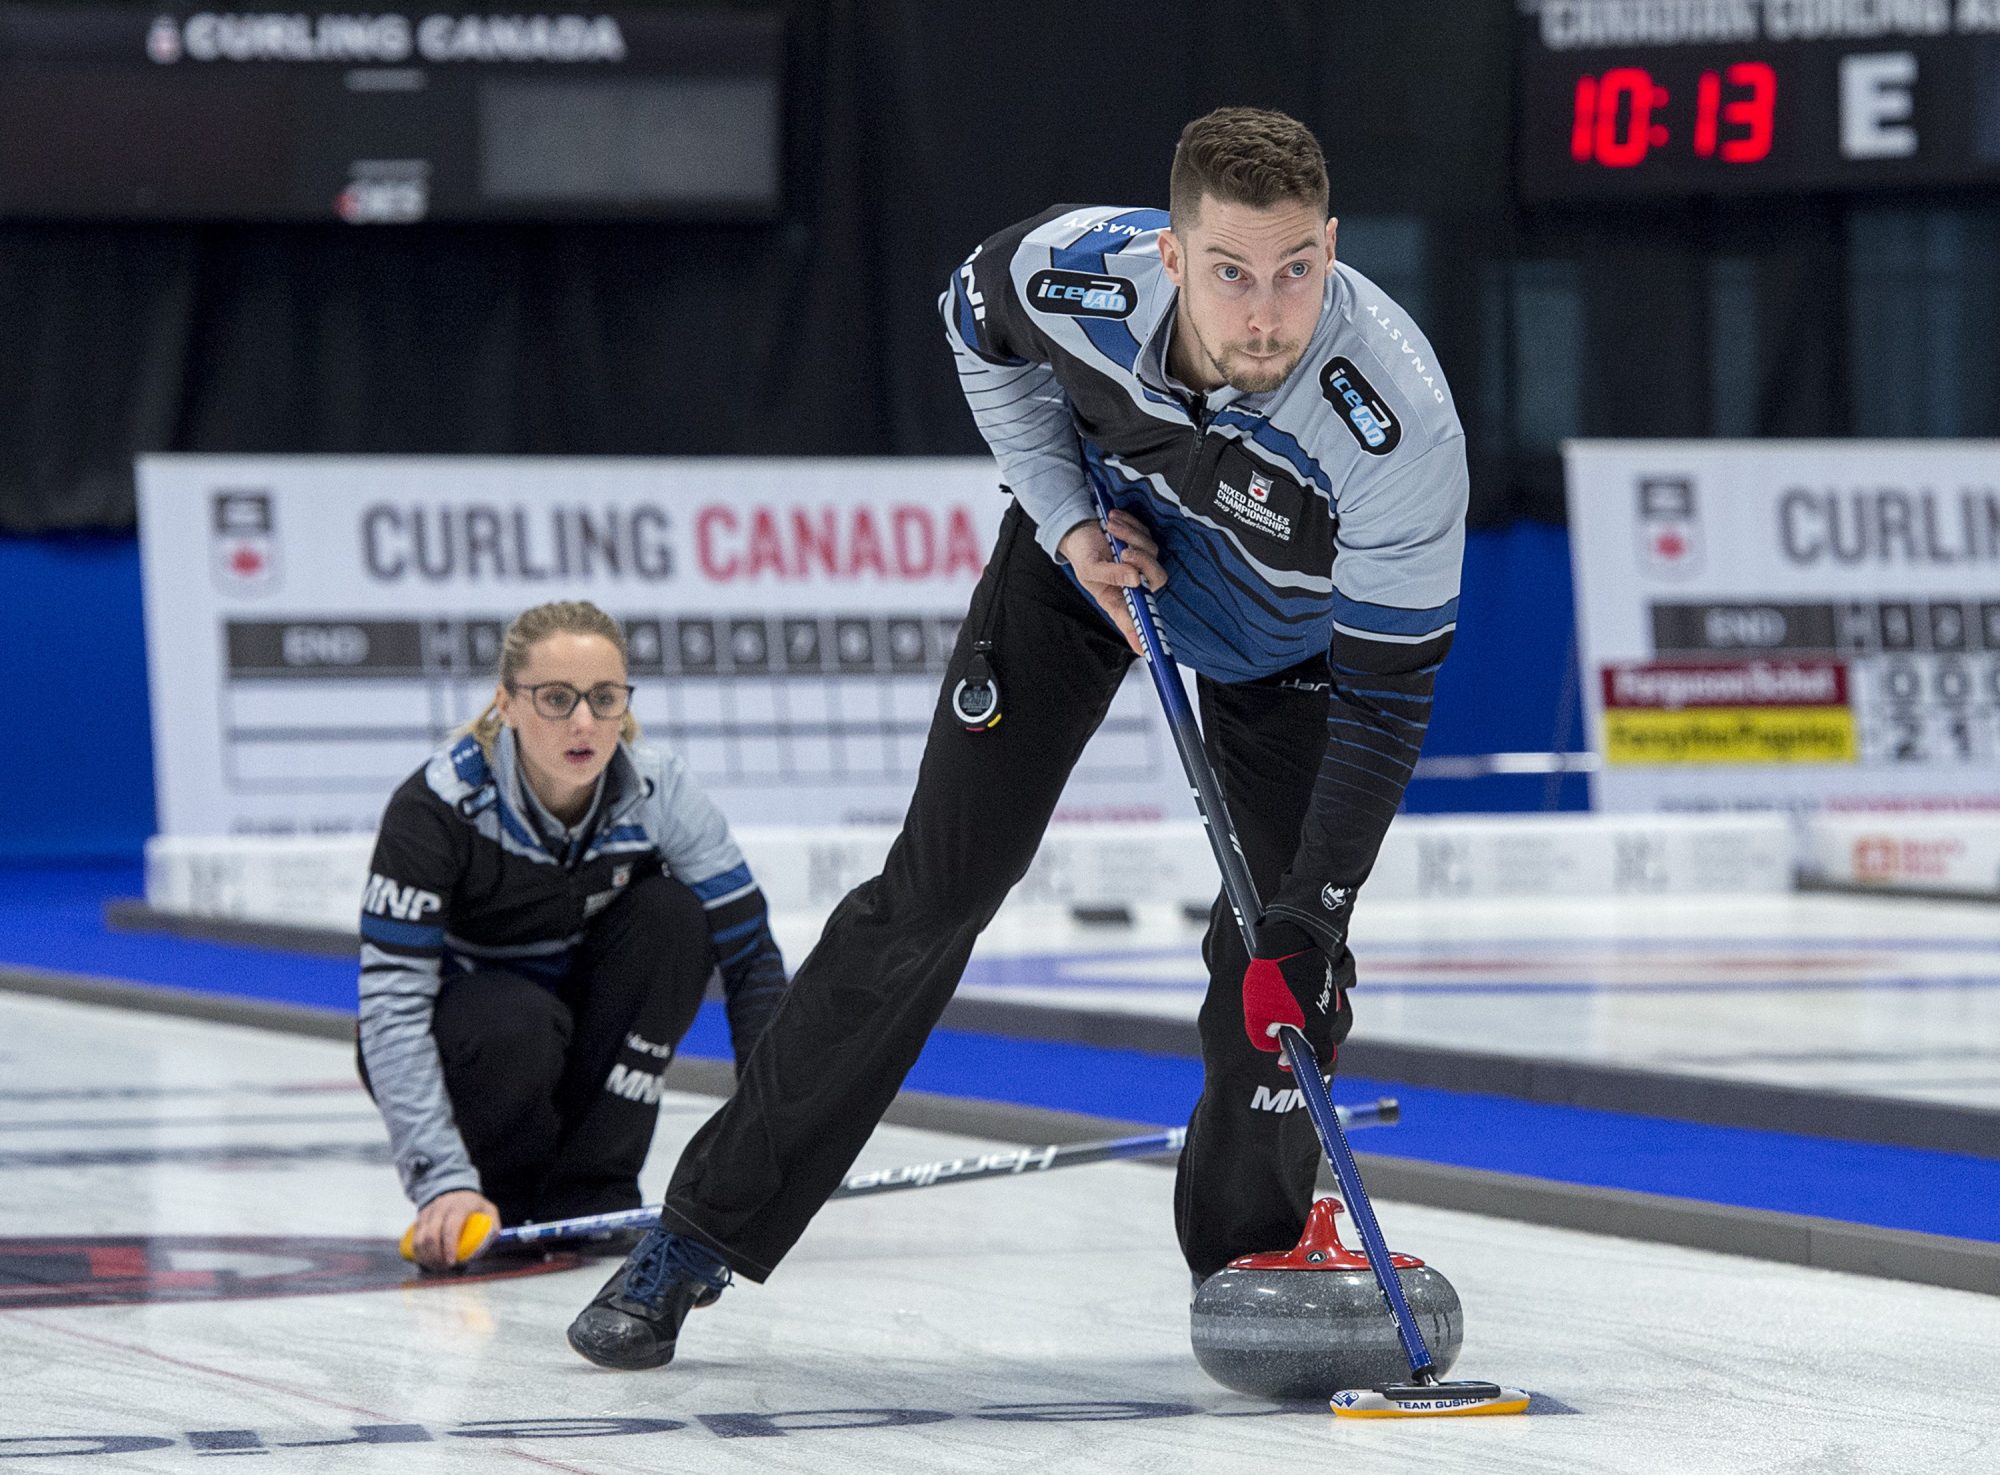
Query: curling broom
[479, 1236]
[1423, 1395]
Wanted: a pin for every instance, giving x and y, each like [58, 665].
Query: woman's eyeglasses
[555, 700]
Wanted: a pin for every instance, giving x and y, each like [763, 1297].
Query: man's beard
[1259, 375]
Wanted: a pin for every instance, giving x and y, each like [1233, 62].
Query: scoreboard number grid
[325, 705]
[1920, 678]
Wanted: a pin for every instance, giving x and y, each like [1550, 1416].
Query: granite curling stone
[1306, 1322]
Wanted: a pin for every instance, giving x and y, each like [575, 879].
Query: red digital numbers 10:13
[1621, 116]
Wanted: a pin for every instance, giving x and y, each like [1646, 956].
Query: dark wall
[915, 130]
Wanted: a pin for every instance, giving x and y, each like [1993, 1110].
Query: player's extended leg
[1246, 1172]
[634, 987]
[861, 1005]
[864, 1000]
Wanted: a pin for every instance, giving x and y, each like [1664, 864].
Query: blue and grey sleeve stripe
[720, 890]
[410, 935]
[1359, 617]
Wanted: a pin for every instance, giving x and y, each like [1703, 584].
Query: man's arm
[1400, 544]
[1020, 409]
[1024, 415]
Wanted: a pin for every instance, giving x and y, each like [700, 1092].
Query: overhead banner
[315, 626]
[1789, 624]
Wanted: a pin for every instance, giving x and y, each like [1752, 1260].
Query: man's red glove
[1290, 981]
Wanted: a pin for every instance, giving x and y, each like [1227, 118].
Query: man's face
[1250, 283]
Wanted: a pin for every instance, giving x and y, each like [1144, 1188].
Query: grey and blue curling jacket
[1322, 521]
[463, 880]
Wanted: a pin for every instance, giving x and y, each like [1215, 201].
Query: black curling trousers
[865, 999]
[556, 1091]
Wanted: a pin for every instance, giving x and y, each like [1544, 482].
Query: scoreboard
[316, 626]
[388, 117]
[1665, 98]
[1800, 625]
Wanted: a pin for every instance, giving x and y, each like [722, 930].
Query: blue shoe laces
[664, 1257]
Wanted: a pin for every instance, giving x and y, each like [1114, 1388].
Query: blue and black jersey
[469, 874]
[1323, 521]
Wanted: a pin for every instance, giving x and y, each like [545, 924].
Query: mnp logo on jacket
[385, 898]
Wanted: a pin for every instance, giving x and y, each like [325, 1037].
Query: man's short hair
[1245, 156]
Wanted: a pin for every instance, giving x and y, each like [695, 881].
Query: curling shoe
[635, 1320]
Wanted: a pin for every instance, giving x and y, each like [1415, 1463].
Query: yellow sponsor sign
[1729, 735]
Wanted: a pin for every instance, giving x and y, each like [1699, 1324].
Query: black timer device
[1743, 97]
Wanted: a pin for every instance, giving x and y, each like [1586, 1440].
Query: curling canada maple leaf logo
[1668, 525]
[243, 541]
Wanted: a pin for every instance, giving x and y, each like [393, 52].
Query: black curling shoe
[635, 1320]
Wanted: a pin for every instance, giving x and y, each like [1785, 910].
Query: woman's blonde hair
[530, 628]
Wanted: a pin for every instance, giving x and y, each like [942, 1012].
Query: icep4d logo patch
[1361, 409]
[1079, 294]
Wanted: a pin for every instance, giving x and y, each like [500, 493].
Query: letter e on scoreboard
[1877, 101]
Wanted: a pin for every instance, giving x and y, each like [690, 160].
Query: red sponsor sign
[1739, 684]
[1884, 859]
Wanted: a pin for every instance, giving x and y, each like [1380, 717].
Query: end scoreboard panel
[1666, 98]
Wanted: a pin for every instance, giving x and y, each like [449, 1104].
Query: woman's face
[563, 756]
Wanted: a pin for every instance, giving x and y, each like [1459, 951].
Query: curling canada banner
[1793, 625]
[315, 626]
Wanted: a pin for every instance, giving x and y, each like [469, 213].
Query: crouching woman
[547, 902]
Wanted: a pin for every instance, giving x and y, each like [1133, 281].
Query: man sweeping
[1287, 471]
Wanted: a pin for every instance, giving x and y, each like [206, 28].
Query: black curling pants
[864, 1000]
[556, 1091]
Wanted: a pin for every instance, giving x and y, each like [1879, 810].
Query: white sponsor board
[1957, 853]
[316, 881]
[316, 625]
[1799, 625]
[1493, 856]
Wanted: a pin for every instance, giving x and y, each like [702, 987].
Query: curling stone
[1304, 1322]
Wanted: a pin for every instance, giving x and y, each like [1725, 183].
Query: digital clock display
[1624, 114]
[1777, 108]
